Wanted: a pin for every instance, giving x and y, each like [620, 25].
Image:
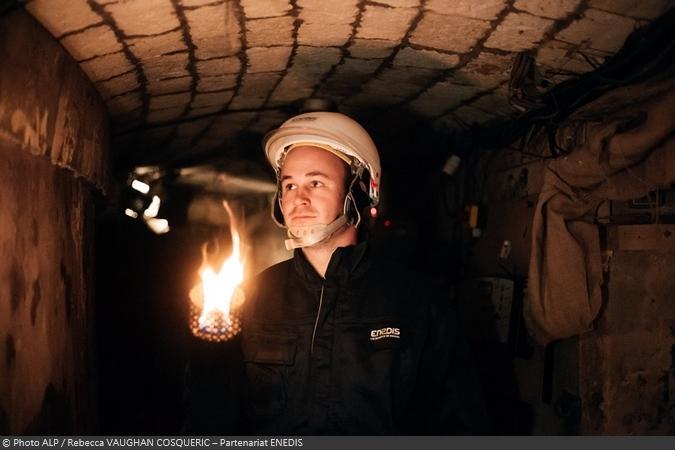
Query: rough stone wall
[628, 363]
[618, 379]
[53, 156]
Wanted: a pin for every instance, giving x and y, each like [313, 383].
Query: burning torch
[216, 301]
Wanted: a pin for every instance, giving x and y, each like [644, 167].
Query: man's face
[312, 186]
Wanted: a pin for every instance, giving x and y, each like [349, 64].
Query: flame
[215, 301]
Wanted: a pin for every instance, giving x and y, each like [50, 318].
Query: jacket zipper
[316, 322]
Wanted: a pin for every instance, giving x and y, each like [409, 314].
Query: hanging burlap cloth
[625, 149]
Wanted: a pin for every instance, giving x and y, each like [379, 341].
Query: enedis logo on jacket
[385, 333]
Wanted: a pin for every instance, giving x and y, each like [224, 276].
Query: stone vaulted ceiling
[183, 77]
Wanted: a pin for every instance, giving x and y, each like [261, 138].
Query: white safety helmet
[338, 134]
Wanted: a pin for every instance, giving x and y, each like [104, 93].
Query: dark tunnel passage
[536, 202]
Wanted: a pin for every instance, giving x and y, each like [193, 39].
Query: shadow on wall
[4, 422]
[53, 417]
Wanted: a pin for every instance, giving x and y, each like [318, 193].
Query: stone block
[143, 17]
[191, 4]
[335, 93]
[267, 59]
[299, 80]
[315, 60]
[359, 68]
[486, 71]
[643, 9]
[494, 104]
[233, 121]
[400, 83]
[165, 115]
[188, 130]
[349, 77]
[291, 89]
[124, 103]
[391, 86]
[401, 3]
[127, 120]
[203, 99]
[265, 8]
[170, 86]
[147, 47]
[453, 33]
[169, 100]
[254, 90]
[121, 84]
[518, 32]
[559, 55]
[371, 48]
[203, 111]
[165, 66]
[502, 89]
[416, 77]
[92, 42]
[107, 67]
[441, 97]
[216, 83]
[219, 66]
[558, 9]
[214, 31]
[62, 16]
[317, 34]
[379, 22]
[215, 47]
[326, 23]
[265, 124]
[371, 99]
[427, 106]
[601, 30]
[337, 98]
[484, 9]
[267, 120]
[447, 124]
[269, 31]
[472, 115]
[425, 58]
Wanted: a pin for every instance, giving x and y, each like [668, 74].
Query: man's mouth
[300, 214]
[303, 217]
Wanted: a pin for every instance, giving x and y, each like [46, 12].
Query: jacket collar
[345, 262]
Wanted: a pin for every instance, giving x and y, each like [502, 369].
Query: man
[336, 340]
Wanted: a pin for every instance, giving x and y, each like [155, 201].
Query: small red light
[373, 212]
[387, 223]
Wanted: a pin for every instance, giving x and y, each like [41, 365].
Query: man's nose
[301, 196]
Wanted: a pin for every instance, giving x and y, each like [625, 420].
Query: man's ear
[277, 213]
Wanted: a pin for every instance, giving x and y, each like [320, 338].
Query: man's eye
[316, 183]
[289, 187]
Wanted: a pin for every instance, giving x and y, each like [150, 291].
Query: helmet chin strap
[307, 235]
